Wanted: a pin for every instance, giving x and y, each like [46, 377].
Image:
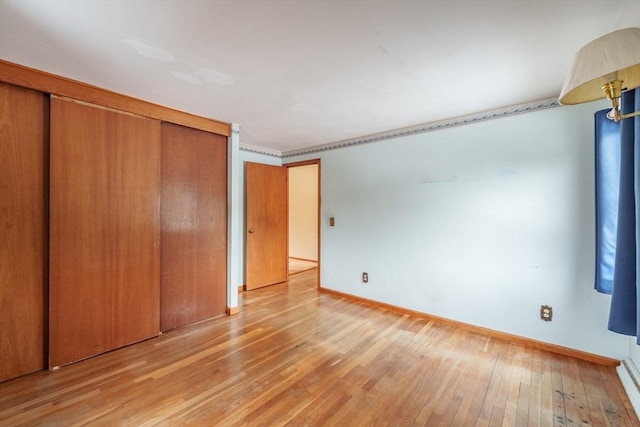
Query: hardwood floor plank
[574, 394]
[616, 409]
[492, 388]
[545, 408]
[523, 405]
[559, 413]
[296, 357]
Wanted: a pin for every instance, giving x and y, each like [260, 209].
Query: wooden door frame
[319, 194]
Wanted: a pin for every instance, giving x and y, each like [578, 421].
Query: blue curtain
[624, 316]
[607, 156]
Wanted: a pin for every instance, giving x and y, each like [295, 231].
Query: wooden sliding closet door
[194, 225]
[104, 230]
[23, 131]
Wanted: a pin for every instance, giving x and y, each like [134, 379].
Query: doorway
[267, 222]
[304, 216]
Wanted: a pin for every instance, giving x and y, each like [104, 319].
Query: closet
[114, 220]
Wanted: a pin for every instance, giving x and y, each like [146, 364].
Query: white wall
[303, 212]
[481, 223]
[234, 215]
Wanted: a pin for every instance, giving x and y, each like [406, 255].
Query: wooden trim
[302, 163]
[45, 253]
[241, 288]
[516, 339]
[99, 107]
[319, 220]
[232, 310]
[30, 78]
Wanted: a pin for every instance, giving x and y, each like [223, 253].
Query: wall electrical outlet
[365, 277]
[546, 313]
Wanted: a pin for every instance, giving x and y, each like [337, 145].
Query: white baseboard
[630, 378]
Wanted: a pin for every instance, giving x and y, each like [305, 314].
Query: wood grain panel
[135, 228]
[194, 226]
[266, 225]
[22, 218]
[79, 277]
[20, 75]
[104, 230]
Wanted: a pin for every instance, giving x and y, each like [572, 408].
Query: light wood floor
[297, 265]
[296, 357]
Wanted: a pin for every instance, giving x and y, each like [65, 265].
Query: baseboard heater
[630, 378]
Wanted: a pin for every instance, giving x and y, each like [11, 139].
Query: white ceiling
[296, 74]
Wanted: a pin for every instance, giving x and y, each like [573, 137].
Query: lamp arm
[629, 115]
[613, 90]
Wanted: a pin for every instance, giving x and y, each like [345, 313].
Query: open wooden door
[266, 225]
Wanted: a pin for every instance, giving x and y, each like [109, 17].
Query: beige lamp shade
[614, 56]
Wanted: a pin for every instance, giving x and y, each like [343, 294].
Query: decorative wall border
[260, 150]
[412, 130]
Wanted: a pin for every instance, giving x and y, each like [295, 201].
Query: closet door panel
[136, 228]
[104, 230]
[23, 130]
[79, 274]
[194, 225]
